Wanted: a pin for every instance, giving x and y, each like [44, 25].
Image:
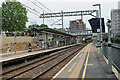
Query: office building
[115, 18]
[77, 25]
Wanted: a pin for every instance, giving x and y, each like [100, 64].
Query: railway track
[36, 69]
[17, 66]
[51, 69]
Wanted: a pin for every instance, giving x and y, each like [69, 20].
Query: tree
[43, 25]
[0, 19]
[54, 28]
[37, 26]
[0, 13]
[14, 16]
[117, 35]
[34, 25]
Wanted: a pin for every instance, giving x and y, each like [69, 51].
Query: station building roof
[51, 31]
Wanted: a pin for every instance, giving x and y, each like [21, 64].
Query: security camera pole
[109, 48]
[100, 28]
[109, 26]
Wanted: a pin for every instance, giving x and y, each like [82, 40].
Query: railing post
[109, 59]
[15, 34]
[109, 48]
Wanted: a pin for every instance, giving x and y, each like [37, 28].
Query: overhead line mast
[72, 13]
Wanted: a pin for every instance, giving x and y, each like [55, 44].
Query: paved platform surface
[24, 54]
[86, 65]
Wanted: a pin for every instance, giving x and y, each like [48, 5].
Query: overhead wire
[37, 15]
[47, 9]
[33, 11]
[42, 9]
[43, 5]
[30, 8]
[37, 5]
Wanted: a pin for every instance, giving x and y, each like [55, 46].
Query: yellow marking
[56, 68]
[84, 72]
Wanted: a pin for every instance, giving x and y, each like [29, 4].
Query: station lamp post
[35, 29]
[15, 35]
[99, 5]
[109, 26]
[109, 48]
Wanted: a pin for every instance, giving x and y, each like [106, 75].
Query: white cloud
[70, 5]
[79, 1]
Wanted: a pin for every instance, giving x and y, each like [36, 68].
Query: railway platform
[24, 55]
[86, 65]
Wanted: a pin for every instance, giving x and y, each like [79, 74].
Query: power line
[37, 6]
[38, 15]
[33, 13]
[43, 5]
[47, 8]
[33, 22]
[30, 8]
[40, 8]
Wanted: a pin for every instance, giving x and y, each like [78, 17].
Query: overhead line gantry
[72, 13]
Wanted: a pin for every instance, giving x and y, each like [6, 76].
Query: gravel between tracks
[48, 75]
[38, 70]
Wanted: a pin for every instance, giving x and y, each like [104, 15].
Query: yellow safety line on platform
[84, 72]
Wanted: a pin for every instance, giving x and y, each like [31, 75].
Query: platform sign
[98, 30]
[95, 25]
[11, 34]
[94, 36]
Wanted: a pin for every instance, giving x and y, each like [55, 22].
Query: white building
[115, 17]
[119, 5]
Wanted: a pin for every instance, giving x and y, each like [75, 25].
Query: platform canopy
[51, 31]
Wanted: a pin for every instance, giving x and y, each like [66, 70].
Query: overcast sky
[67, 5]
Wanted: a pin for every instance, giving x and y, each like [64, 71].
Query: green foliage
[43, 25]
[0, 18]
[117, 38]
[0, 13]
[34, 25]
[117, 35]
[89, 40]
[14, 16]
[54, 27]
[37, 26]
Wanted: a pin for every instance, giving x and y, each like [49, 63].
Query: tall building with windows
[115, 18]
[77, 25]
[119, 5]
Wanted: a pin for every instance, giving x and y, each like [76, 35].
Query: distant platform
[21, 56]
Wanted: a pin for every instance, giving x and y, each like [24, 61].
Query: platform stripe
[84, 72]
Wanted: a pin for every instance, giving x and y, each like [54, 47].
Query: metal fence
[114, 51]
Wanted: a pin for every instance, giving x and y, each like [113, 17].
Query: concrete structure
[79, 32]
[8, 40]
[115, 18]
[78, 28]
[119, 5]
[45, 36]
[77, 25]
[59, 38]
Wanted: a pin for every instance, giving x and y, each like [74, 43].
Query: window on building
[77, 25]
